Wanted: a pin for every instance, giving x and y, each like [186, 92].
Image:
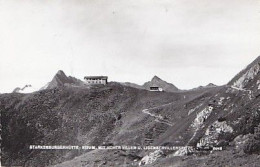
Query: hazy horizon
[186, 43]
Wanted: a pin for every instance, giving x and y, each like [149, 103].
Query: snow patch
[201, 117]
[258, 84]
[212, 133]
[151, 157]
[222, 127]
[184, 151]
[151, 114]
[199, 120]
[220, 102]
[192, 110]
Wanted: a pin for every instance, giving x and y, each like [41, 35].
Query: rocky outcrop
[248, 78]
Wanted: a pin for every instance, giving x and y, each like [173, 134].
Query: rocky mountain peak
[61, 79]
[156, 81]
[61, 73]
[156, 78]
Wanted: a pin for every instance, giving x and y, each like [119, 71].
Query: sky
[185, 42]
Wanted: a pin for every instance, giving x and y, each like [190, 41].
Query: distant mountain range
[25, 89]
[158, 82]
[60, 79]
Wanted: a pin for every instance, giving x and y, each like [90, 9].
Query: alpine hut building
[95, 80]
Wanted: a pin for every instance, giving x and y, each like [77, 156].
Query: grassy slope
[79, 116]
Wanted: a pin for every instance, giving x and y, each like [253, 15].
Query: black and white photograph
[130, 83]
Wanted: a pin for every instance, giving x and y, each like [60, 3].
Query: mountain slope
[233, 112]
[81, 116]
[116, 114]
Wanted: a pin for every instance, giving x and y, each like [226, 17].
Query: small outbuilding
[156, 88]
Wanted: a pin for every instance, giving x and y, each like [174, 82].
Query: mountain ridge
[114, 113]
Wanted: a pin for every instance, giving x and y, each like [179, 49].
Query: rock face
[248, 78]
[60, 79]
[156, 81]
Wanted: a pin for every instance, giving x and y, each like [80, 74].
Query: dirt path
[158, 118]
